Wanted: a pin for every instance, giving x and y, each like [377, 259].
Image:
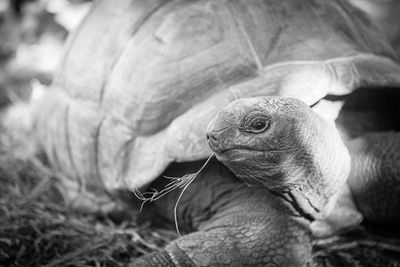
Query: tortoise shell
[141, 79]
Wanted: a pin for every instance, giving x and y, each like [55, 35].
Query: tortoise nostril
[212, 137]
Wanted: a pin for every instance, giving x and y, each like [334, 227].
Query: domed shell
[141, 79]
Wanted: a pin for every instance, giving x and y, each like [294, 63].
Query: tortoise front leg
[234, 225]
[250, 238]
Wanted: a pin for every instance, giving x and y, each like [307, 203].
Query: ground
[37, 229]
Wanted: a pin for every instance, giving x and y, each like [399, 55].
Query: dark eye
[258, 124]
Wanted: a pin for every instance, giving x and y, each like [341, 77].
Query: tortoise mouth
[231, 152]
[252, 150]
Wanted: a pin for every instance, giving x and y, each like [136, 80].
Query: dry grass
[37, 229]
[362, 247]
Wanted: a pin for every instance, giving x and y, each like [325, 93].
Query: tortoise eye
[259, 124]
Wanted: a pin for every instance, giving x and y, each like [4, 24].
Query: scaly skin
[233, 224]
[282, 145]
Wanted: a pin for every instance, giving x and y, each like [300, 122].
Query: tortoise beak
[222, 139]
[222, 132]
[213, 138]
[215, 130]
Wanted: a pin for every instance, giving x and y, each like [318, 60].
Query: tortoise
[141, 80]
[281, 144]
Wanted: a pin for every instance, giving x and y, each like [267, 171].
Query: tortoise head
[279, 143]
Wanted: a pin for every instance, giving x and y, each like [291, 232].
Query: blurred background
[32, 34]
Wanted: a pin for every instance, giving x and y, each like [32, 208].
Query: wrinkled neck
[325, 167]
